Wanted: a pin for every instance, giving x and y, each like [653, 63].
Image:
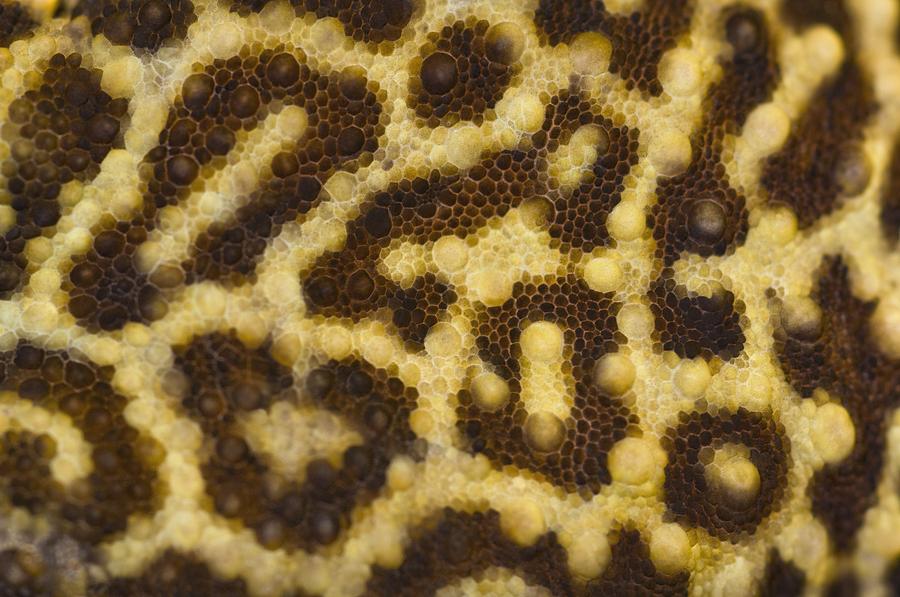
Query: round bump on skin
[244, 101]
[439, 73]
[283, 70]
[635, 321]
[102, 128]
[614, 373]
[853, 170]
[833, 433]
[525, 111]
[679, 72]
[603, 274]
[544, 431]
[706, 221]
[119, 28]
[588, 555]
[505, 43]
[633, 461]
[590, 53]
[670, 153]
[351, 140]
[542, 341]
[767, 128]
[464, 146]
[744, 32]
[352, 83]
[733, 476]
[360, 285]
[155, 14]
[522, 521]
[443, 340]
[627, 221]
[492, 288]
[182, 170]
[489, 391]
[801, 318]
[670, 549]
[285, 164]
[220, 140]
[450, 253]
[693, 377]
[197, 90]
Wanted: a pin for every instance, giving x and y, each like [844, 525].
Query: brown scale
[347, 283]
[638, 40]
[596, 422]
[24, 574]
[454, 78]
[172, 574]
[25, 469]
[692, 325]
[631, 573]
[61, 132]
[456, 545]
[782, 579]
[15, 23]
[123, 481]
[890, 204]
[227, 379]
[106, 289]
[141, 24]
[370, 21]
[698, 211]
[806, 174]
[691, 500]
[841, 357]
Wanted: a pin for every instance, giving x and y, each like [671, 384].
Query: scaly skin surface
[454, 297]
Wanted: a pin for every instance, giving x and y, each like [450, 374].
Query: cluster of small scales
[465, 297]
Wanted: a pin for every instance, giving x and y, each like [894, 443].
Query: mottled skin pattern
[449, 297]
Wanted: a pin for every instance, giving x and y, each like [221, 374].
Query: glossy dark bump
[197, 90]
[745, 32]
[119, 29]
[285, 164]
[351, 140]
[283, 70]
[439, 73]
[182, 170]
[102, 128]
[220, 140]
[155, 14]
[244, 101]
[706, 221]
[360, 285]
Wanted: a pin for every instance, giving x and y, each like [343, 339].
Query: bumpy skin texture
[440, 297]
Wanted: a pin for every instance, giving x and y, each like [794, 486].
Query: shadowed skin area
[449, 297]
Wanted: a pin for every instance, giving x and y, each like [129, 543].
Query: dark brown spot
[197, 90]
[351, 140]
[155, 14]
[439, 73]
[244, 101]
[283, 70]
[182, 170]
[706, 221]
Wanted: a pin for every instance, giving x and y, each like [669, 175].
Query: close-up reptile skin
[449, 297]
